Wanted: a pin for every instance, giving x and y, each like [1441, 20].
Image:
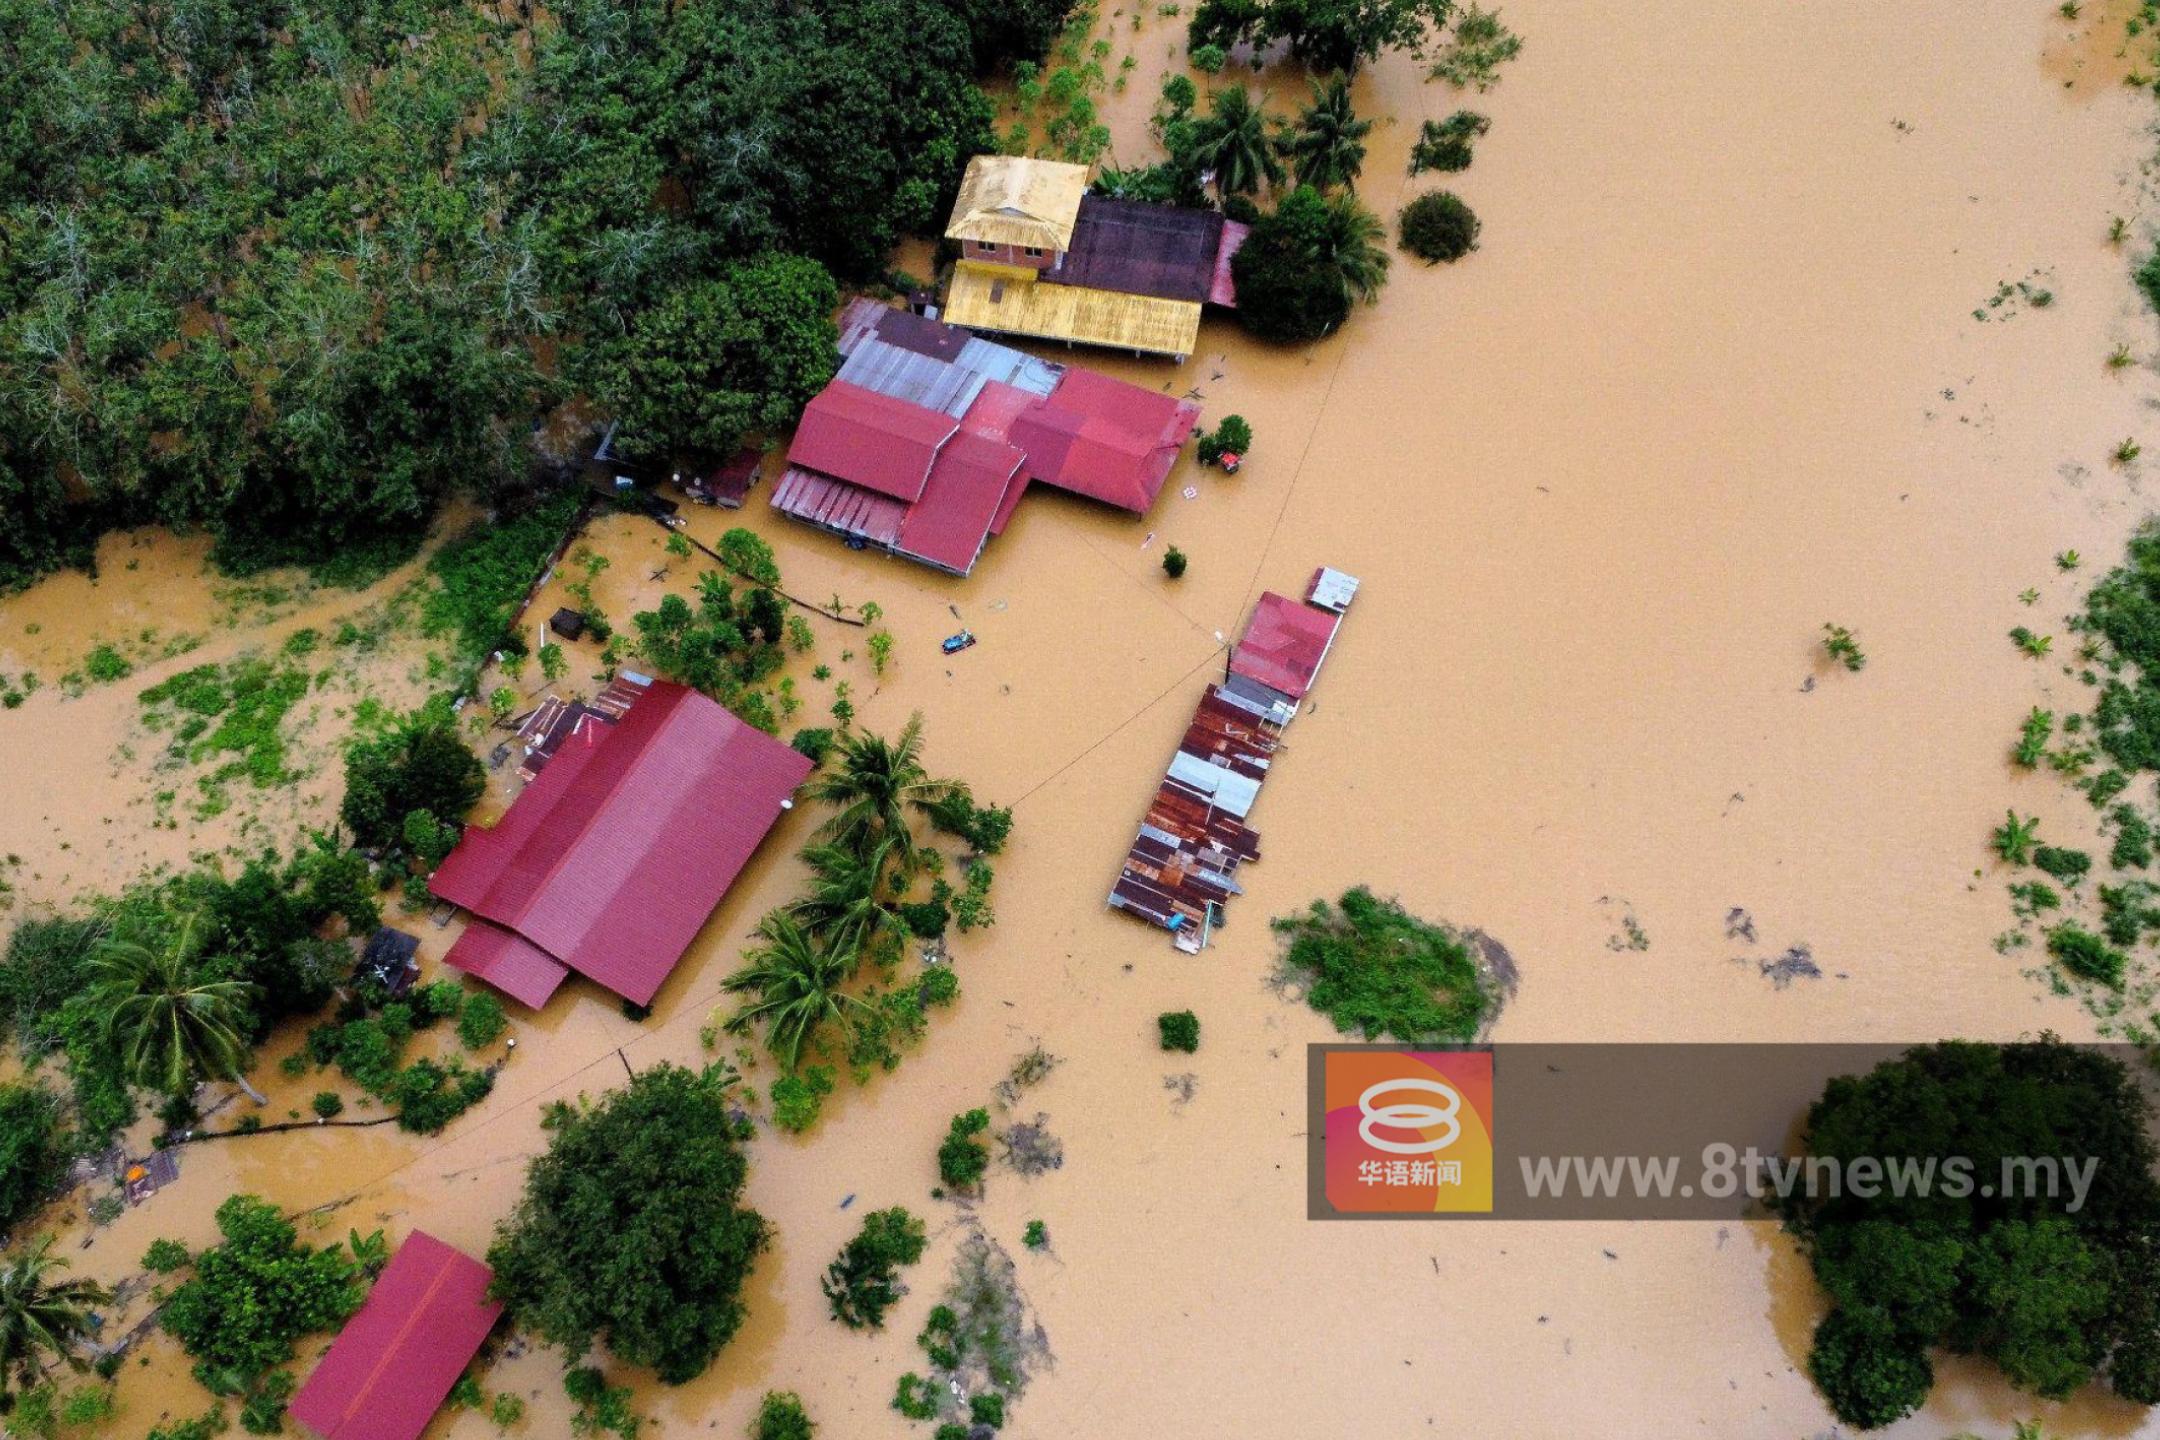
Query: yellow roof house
[1015, 200]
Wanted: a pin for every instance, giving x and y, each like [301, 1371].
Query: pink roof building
[392, 1366]
[610, 862]
[1284, 644]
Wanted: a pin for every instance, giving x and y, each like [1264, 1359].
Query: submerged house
[1041, 257]
[1182, 866]
[928, 436]
[610, 862]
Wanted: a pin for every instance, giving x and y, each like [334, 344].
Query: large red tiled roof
[509, 962]
[392, 1366]
[1284, 644]
[611, 861]
[870, 440]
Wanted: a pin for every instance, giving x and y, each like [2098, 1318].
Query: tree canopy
[2052, 1291]
[1325, 34]
[630, 1232]
[290, 273]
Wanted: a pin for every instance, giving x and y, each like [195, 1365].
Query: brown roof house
[1041, 257]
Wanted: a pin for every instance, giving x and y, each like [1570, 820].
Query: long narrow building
[1182, 867]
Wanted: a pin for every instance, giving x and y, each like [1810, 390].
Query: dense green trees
[744, 350]
[284, 272]
[630, 1232]
[878, 787]
[1326, 35]
[33, 1150]
[1304, 265]
[2053, 1291]
[420, 765]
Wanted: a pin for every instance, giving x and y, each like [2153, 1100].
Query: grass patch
[1376, 970]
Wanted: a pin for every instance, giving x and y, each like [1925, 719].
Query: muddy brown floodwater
[1714, 378]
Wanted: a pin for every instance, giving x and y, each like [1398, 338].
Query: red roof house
[610, 862]
[880, 463]
[392, 1366]
[870, 440]
[1284, 644]
[1105, 439]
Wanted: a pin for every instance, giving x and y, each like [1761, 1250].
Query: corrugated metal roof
[1331, 589]
[948, 526]
[613, 859]
[1284, 644]
[1115, 319]
[513, 965]
[1228, 789]
[1105, 439]
[870, 440]
[901, 374]
[1018, 200]
[1167, 251]
[392, 1366]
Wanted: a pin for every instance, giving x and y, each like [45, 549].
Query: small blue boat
[954, 644]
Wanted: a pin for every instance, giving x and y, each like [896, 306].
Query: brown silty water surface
[1714, 378]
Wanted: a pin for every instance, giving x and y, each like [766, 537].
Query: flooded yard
[1725, 368]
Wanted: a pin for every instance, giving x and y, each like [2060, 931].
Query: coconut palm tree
[40, 1316]
[1232, 141]
[849, 902]
[171, 1027]
[1327, 145]
[876, 785]
[797, 980]
[1352, 244]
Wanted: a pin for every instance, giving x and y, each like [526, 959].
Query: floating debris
[1030, 1148]
[1739, 925]
[1798, 963]
[1628, 933]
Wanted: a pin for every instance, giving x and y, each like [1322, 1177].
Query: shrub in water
[1438, 227]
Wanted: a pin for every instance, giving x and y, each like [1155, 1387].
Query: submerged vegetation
[2054, 1293]
[1378, 971]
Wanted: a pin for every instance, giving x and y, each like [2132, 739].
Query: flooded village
[1512, 609]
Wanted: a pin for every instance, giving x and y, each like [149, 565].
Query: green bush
[1438, 226]
[987, 1409]
[1180, 1030]
[328, 1104]
[962, 1158]
[33, 1150]
[1378, 971]
[1174, 562]
[481, 1021]
[1036, 1236]
[2085, 954]
[863, 1281]
[799, 1099]
[1209, 59]
[165, 1256]
[814, 741]
[2065, 865]
[1869, 1374]
[255, 1293]
[421, 763]
[781, 1417]
[1446, 144]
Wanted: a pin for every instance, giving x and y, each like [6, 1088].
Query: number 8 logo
[1410, 1117]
